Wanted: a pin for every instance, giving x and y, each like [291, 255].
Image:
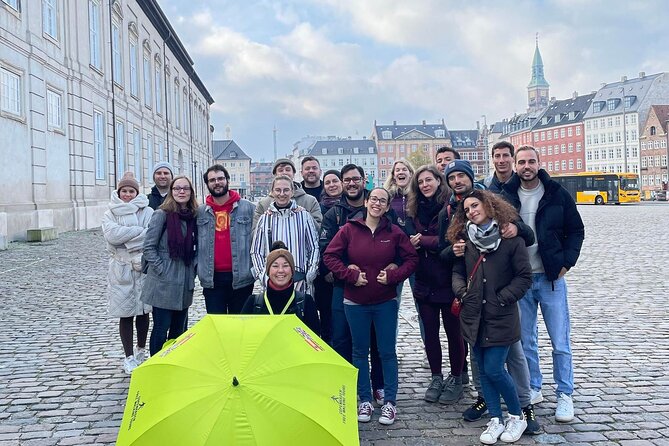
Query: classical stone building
[90, 89]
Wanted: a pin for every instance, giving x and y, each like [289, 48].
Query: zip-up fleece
[371, 252]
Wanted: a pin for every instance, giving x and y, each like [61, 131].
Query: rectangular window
[186, 122]
[543, 136]
[10, 95]
[149, 155]
[578, 131]
[134, 81]
[49, 18]
[578, 146]
[14, 4]
[54, 109]
[563, 148]
[550, 150]
[94, 33]
[120, 149]
[147, 80]
[99, 144]
[610, 136]
[570, 147]
[569, 131]
[579, 164]
[664, 160]
[158, 83]
[611, 153]
[116, 54]
[549, 136]
[177, 106]
[555, 134]
[571, 164]
[550, 166]
[609, 122]
[137, 148]
[562, 133]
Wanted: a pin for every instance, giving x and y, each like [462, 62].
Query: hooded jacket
[155, 198]
[560, 230]
[356, 244]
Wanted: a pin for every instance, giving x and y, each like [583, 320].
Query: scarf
[181, 246]
[327, 201]
[428, 208]
[485, 240]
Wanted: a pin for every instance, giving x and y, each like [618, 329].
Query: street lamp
[622, 90]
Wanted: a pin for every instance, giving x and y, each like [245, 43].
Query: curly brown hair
[495, 207]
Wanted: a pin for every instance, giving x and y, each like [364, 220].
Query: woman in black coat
[490, 278]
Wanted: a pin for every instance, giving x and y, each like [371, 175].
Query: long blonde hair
[391, 185]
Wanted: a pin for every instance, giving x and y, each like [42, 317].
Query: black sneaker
[533, 426]
[478, 409]
[434, 389]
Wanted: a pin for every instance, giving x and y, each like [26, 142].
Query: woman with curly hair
[489, 279]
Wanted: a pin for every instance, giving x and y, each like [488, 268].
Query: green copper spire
[538, 79]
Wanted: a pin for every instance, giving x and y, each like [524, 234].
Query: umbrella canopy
[243, 380]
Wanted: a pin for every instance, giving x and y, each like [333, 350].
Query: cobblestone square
[61, 380]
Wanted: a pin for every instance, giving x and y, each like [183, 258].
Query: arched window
[652, 131]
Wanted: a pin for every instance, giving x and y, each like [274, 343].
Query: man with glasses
[224, 245]
[284, 166]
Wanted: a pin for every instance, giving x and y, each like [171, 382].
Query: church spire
[537, 90]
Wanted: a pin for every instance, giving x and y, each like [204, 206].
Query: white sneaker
[492, 433]
[564, 412]
[536, 396]
[365, 411]
[130, 364]
[514, 428]
[388, 414]
[141, 354]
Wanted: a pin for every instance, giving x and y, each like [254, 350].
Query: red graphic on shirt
[222, 221]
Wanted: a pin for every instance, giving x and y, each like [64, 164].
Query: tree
[419, 158]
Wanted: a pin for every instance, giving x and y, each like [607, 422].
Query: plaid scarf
[485, 240]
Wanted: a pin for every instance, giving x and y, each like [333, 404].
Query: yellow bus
[601, 188]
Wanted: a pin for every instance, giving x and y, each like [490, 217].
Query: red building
[559, 135]
[653, 144]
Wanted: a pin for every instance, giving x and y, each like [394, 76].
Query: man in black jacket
[550, 211]
[163, 172]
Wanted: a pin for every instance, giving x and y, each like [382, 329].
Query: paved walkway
[61, 381]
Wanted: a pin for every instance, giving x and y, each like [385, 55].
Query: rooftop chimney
[642, 74]
[394, 122]
[574, 95]
[623, 79]
[423, 121]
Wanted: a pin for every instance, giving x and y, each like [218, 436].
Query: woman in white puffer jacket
[124, 227]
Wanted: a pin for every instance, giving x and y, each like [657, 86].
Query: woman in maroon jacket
[359, 255]
[432, 288]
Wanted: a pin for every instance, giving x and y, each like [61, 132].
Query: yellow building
[238, 164]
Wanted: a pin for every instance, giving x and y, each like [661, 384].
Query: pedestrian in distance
[170, 253]
[432, 289]
[124, 228]
[280, 296]
[492, 274]
[163, 173]
[359, 254]
[290, 223]
[224, 241]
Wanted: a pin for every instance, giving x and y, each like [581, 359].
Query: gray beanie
[280, 161]
[165, 164]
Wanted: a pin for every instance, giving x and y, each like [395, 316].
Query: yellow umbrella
[243, 380]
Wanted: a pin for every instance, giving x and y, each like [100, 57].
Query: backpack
[259, 302]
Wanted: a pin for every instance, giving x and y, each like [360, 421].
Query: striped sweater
[295, 227]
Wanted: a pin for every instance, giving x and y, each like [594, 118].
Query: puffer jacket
[124, 228]
[169, 282]
[241, 219]
[490, 314]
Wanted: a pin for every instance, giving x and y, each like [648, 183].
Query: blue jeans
[341, 337]
[164, 321]
[384, 318]
[495, 380]
[552, 296]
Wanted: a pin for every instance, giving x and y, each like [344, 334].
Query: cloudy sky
[332, 67]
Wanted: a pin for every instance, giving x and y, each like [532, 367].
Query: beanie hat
[332, 172]
[279, 250]
[463, 166]
[161, 164]
[128, 180]
[282, 161]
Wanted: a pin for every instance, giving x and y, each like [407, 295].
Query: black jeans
[222, 299]
[163, 321]
[323, 298]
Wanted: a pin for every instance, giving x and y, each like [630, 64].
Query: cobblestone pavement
[61, 381]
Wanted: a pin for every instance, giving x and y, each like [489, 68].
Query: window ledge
[13, 117]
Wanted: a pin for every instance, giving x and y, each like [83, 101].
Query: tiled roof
[563, 112]
[347, 146]
[227, 149]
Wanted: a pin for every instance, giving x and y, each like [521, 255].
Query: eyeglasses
[178, 189]
[381, 201]
[216, 180]
[352, 180]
